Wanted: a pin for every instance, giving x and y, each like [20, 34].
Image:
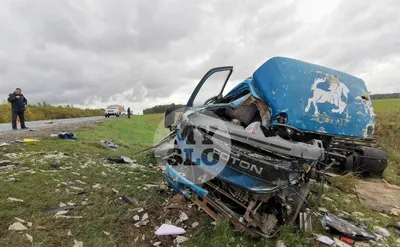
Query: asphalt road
[42, 123]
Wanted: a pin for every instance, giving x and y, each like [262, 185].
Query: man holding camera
[18, 105]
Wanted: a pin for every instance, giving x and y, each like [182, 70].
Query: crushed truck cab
[248, 155]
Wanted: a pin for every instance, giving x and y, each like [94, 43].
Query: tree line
[158, 109]
[44, 111]
[385, 96]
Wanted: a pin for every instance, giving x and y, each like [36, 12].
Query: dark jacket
[17, 104]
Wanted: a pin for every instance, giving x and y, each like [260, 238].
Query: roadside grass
[43, 188]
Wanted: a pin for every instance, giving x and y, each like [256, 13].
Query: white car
[112, 110]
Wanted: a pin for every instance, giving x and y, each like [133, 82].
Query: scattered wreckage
[248, 155]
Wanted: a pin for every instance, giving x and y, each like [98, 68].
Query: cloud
[140, 53]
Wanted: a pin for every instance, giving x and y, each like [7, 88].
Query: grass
[43, 188]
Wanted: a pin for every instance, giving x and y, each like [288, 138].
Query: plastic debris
[305, 222]
[96, 186]
[106, 233]
[347, 240]
[20, 220]
[335, 223]
[157, 244]
[280, 243]
[195, 224]
[108, 144]
[130, 200]
[69, 217]
[29, 237]
[69, 233]
[29, 224]
[255, 129]
[183, 217]
[119, 160]
[340, 243]
[166, 229]
[66, 135]
[325, 240]
[180, 239]
[3, 144]
[362, 244]
[12, 199]
[136, 218]
[145, 217]
[62, 212]
[382, 231]
[55, 210]
[17, 226]
[27, 140]
[78, 243]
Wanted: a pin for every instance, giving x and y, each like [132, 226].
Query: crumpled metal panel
[314, 98]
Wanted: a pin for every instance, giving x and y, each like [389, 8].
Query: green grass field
[41, 187]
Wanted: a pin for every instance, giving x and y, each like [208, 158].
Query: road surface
[42, 123]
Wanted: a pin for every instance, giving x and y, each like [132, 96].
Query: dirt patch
[378, 195]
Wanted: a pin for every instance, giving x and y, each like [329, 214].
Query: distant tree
[158, 109]
[385, 96]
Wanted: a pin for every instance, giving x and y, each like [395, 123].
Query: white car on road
[112, 110]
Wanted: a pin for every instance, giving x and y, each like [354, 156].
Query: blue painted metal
[176, 182]
[314, 98]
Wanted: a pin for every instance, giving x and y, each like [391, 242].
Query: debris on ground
[78, 243]
[340, 243]
[167, 229]
[347, 240]
[17, 226]
[67, 135]
[29, 237]
[12, 199]
[136, 217]
[180, 240]
[108, 144]
[3, 144]
[119, 160]
[27, 140]
[183, 217]
[96, 186]
[69, 217]
[59, 209]
[106, 233]
[195, 224]
[348, 229]
[280, 243]
[20, 220]
[325, 240]
[130, 200]
[305, 222]
[381, 231]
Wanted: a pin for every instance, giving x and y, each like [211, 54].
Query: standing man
[18, 105]
[129, 112]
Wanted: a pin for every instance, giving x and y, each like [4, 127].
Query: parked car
[248, 155]
[113, 110]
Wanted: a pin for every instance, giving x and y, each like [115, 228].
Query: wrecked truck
[248, 155]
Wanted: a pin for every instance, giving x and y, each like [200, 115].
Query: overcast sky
[145, 52]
